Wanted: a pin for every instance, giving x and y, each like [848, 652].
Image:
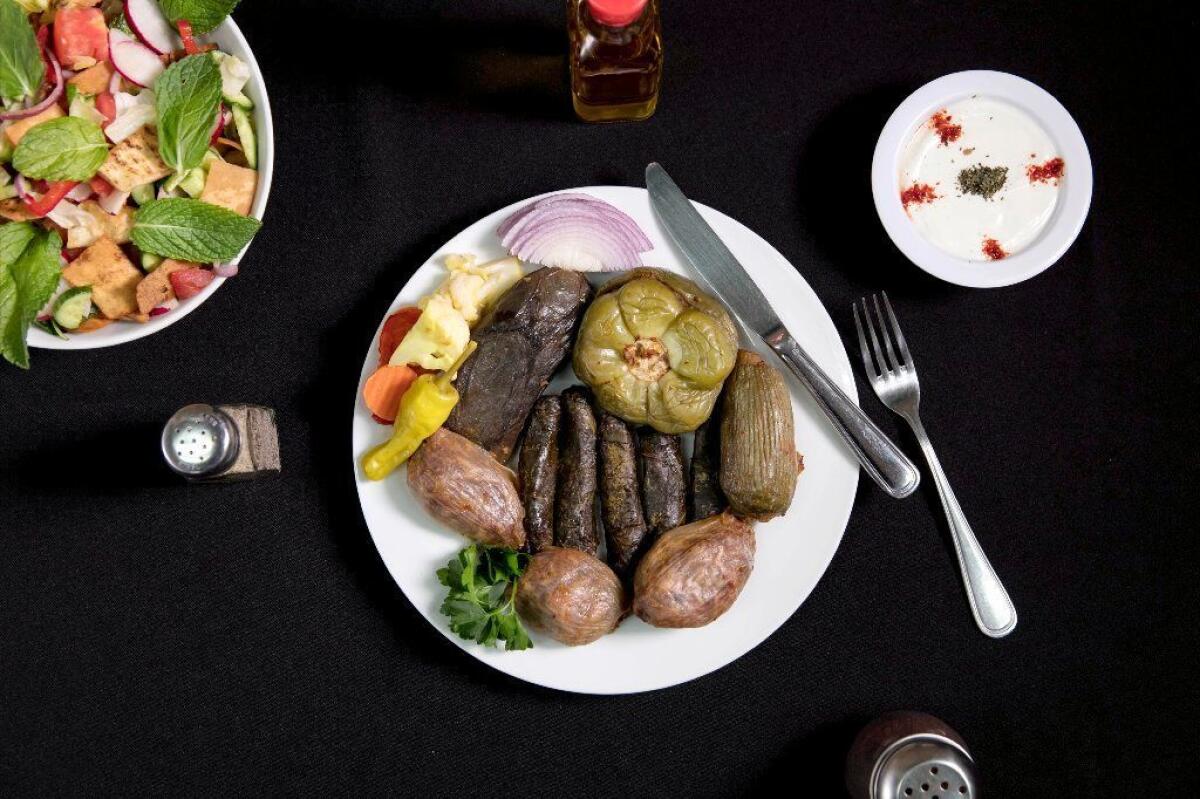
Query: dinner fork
[895, 382]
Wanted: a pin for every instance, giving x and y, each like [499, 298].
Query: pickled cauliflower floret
[471, 288]
[437, 339]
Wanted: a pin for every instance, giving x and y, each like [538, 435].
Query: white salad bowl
[1075, 189]
[228, 38]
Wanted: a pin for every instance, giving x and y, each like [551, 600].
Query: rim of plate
[1069, 215]
[509, 663]
[230, 37]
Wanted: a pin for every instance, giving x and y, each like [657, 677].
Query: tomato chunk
[189, 282]
[101, 186]
[80, 37]
[106, 104]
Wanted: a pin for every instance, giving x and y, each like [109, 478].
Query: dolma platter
[793, 551]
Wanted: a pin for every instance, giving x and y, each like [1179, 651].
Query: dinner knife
[725, 277]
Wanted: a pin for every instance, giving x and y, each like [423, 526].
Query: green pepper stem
[445, 377]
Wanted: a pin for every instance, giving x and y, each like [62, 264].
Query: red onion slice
[22, 187]
[575, 231]
[225, 270]
[49, 99]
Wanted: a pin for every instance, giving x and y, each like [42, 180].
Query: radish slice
[219, 124]
[113, 202]
[169, 305]
[136, 62]
[148, 22]
[49, 99]
[574, 231]
[80, 193]
[114, 83]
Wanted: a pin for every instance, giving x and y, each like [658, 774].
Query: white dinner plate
[793, 550]
[229, 38]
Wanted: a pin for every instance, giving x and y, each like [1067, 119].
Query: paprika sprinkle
[943, 123]
[993, 250]
[918, 193]
[1044, 173]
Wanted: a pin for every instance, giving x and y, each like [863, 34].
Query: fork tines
[881, 367]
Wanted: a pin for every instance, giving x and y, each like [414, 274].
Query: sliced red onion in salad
[48, 100]
[23, 190]
[225, 270]
[575, 231]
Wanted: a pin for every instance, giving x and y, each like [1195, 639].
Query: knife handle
[881, 459]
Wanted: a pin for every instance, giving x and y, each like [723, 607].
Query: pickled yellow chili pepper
[423, 409]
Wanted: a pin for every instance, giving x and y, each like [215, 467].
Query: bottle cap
[616, 13]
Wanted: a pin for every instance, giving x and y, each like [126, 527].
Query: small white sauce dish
[1075, 188]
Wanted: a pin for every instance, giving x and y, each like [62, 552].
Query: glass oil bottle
[616, 58]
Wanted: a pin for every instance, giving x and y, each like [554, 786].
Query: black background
[156, 637]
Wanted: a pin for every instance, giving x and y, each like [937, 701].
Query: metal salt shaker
[221, 443]
[910, 755]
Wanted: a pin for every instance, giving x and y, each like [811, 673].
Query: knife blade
[725, 277]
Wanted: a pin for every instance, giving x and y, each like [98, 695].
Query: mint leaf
[188, 97]
[21, 67]
[14, 237]
[67, 148]
[191, 230]
[204, 15]
[25, 286]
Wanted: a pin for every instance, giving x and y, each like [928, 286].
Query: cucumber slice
[193, 182]
[172, 182]
[73, 306]
[245, 131]
[239, 100]
[51, 327]
[143, 194]
[150, 261]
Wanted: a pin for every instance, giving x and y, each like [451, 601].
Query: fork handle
[881, 458]
[990, 604]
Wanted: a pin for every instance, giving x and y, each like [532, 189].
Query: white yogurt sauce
[993, 133]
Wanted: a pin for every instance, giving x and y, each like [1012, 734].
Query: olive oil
[616, 58]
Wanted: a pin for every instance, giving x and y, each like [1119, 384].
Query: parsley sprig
[483, 585]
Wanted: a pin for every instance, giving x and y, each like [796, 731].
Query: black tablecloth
[156, 637]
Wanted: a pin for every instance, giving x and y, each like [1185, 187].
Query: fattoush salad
[128, 162]
[581, 507]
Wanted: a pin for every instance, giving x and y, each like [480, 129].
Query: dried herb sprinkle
[983, 181]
